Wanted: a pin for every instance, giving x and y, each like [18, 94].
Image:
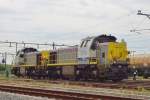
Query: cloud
[68, 21]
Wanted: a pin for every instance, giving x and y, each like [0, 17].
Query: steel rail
[58, 94]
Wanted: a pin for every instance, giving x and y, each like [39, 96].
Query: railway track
[60, 94]
[130, 85]
[123, 85]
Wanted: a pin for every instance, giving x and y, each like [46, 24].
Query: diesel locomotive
[96, 58]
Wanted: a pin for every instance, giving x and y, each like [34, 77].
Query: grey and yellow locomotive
[96, 58]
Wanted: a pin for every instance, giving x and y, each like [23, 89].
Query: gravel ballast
[13, 96]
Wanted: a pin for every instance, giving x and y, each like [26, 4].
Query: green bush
[2, 67]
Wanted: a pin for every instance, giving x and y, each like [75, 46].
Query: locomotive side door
[103, 49]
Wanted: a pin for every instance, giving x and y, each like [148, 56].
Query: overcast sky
[68, 21]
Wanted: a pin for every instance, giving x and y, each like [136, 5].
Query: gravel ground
[13, 96]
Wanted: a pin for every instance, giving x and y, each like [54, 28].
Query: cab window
[82, 44]
[18, 53]
[103, 55]
[21, 55]
[86, 43]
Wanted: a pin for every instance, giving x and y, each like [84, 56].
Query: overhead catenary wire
[82, 30]
[11, 43]
[143, 14]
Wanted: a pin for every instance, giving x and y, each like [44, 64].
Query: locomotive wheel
[54, 73]
[86, 73]
[146, 77]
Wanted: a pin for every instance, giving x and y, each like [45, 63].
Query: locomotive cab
[20, 55]
[87, 50]
[19, 58]
[109, 56]
[22, 59]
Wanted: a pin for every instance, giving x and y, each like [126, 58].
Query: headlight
[119, 66]
[115, 62]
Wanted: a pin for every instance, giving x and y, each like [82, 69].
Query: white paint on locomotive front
[84, 50]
